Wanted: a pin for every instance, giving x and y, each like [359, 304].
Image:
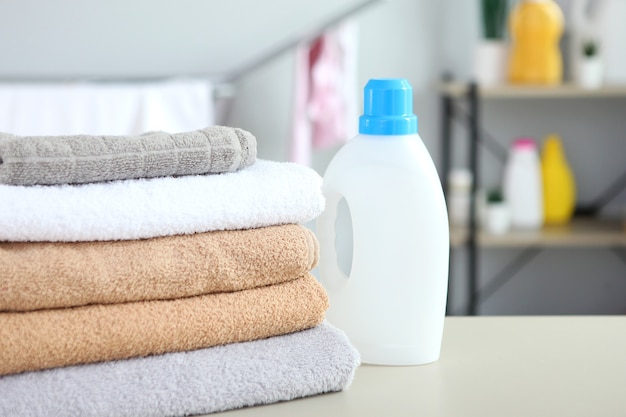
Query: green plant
[495, 196]
[590, 48]
[494, 14]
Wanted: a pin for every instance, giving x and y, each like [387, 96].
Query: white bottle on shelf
[522, 185]
[459, 192]
[392, 303]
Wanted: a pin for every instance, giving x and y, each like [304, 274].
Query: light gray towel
[209, 380]
[47, 160]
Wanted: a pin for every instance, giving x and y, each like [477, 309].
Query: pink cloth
[325, 93]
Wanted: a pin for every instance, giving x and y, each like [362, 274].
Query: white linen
[264, 194]
[105, 108]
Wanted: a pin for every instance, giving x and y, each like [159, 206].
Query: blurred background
[292, 73]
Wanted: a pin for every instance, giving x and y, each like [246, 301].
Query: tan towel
[60, 337]
[51, 275]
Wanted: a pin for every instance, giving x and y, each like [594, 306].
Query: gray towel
[46, 160]
[209, 380]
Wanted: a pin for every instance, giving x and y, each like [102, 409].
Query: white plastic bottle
[459, 190]
[392, 304]
[522, 185]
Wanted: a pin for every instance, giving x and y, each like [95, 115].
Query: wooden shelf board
[567, 90]
[579, 233]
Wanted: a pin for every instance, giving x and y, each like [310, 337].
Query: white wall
[397, 39]
[129, 39]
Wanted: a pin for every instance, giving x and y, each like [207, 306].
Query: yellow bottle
[535, 27]
[559, 189]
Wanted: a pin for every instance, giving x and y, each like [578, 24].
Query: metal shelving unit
[581, 232]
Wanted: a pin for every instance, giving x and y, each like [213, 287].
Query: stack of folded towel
[161, 275]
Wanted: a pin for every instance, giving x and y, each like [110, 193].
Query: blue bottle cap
[388, 108]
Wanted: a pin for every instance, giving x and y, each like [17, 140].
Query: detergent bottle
[392, 302]
[559, 189]
[535, 27]
[522, 185]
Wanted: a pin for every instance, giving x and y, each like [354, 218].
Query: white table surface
[491, 366]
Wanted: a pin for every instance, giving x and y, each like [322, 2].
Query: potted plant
[497, 216]
[494, 15]
[490, 55]
[591, 67]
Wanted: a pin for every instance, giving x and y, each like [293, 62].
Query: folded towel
[49, 338]
[30, 160]
[237, 375]
[264, 194]
[68, 274]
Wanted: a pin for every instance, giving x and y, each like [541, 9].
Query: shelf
[579, 233]
[458, 89]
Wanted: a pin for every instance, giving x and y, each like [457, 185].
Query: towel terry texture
[59, 337]
[210, 380]
[37, 275]
[30, 160]
[266, 193]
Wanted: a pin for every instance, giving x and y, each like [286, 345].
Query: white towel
[264, 194]
[107, 108]
[209, 380]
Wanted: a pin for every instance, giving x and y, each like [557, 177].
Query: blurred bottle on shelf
[559, 188]
[522, 185]
[536, 27]
[459, 190]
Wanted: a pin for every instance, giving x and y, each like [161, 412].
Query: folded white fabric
[106, 108]
[209, 380]
[264, 194]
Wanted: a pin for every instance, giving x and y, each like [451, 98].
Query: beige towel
[60, 337]
[51, 275]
